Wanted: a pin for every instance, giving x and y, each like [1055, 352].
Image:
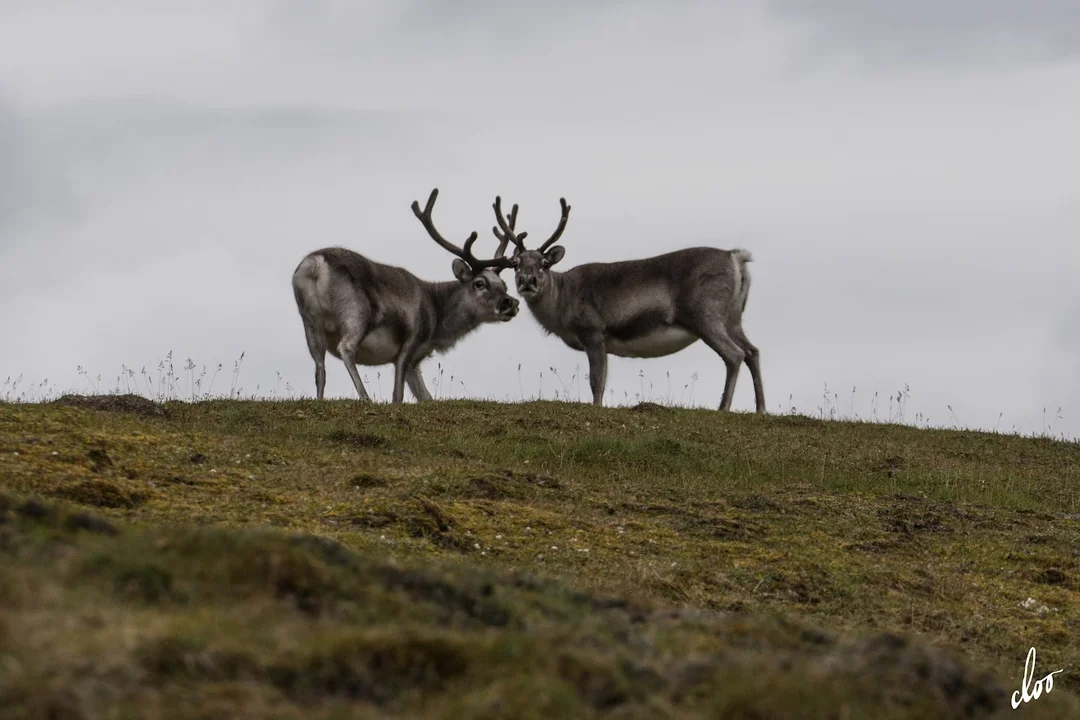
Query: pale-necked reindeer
[644, 308]
[373, 314]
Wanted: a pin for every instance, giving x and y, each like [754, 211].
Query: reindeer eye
[479, 284]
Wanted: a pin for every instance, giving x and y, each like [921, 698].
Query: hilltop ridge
[476, 559]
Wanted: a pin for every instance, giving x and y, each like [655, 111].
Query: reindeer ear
[462, 271]
[555, 254]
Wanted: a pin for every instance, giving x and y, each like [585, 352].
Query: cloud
[1069, 330]
[37, 202]
[919, 32]
[33, 190]
[904, 221]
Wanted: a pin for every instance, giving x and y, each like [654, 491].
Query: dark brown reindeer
[373, 314]
[645, 308]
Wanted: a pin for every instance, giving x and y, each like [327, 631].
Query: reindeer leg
[399, 383]
[316, 343]
[404, 364]
[352, 334]
[416, 384]
[597, 355]
[711, 328]
[347, 351]
[753, 362]
[732, 356]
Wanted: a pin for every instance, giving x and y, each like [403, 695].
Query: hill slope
[468, 559]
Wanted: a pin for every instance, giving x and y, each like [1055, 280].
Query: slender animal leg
[715, 336]
[352, 334]
[316, 343]
[416, 384]
[753, 361]
[348, 356]
[403, 365]
[597, 355]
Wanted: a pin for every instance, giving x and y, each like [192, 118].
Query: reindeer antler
[464, 253]
[507, 224]
[562, 226]
[507, 235]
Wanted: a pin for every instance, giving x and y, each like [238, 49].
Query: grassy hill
[469, 559]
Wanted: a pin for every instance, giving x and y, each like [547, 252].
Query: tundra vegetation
[467, 559]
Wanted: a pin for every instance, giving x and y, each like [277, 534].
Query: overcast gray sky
[905, 175]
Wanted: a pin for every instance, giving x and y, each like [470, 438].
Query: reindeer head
[532, 268]
[484, 291]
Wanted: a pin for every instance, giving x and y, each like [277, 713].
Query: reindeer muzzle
[508, 308]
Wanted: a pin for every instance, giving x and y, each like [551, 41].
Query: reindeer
[373, 314]
[645, 308]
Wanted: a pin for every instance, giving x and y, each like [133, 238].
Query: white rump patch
[739, 258]
[742, 255]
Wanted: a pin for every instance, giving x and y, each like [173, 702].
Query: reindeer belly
[379, 347]
[655, 343]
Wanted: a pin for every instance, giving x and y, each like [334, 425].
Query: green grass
[464, 559]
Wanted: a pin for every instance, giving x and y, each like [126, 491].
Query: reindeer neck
[546, 307]
[453, 320]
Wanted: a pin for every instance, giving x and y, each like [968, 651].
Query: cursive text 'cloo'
[1045, 683]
